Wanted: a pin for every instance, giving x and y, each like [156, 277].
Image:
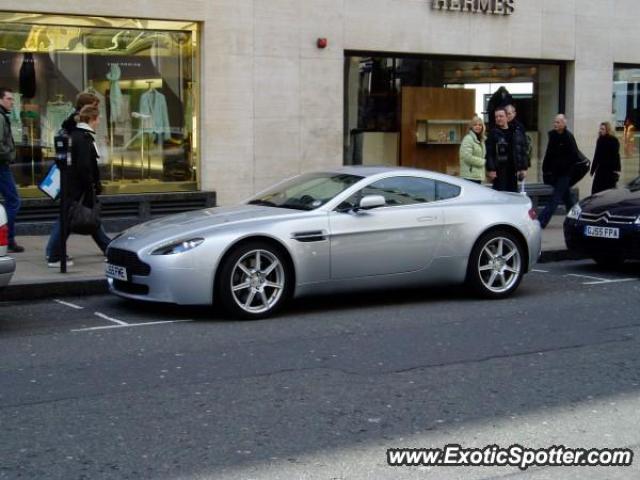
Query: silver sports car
[348, 229]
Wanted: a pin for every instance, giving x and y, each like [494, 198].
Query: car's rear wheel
[255, 280]
[608, 261]
[496, 265]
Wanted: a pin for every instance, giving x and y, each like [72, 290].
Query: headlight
[178, 247]
[575, 212]
[637, 222]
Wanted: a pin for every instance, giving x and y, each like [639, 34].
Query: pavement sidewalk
[33, 279]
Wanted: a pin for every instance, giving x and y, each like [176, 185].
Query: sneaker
[15, 248]
[56, 263]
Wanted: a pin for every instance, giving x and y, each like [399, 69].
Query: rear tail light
[4, 235]
[533, 214]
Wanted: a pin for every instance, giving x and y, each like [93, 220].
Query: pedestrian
[83, 179]
[69, 125]
[606, 166]
[473, 152]
[559, 159]
[506, 156]
[82, 99]
[8, 187]
[518, 127]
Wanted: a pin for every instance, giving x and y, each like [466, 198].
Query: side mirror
[372, 201]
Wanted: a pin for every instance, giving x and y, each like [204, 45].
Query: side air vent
[310, 236]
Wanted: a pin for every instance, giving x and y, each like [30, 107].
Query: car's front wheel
[255, 280]
[496, 265]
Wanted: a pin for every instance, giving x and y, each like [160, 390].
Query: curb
[560, 255]
[37, 291]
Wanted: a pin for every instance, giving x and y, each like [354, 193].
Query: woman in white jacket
[472, 152]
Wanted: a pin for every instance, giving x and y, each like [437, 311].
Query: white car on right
[7, 264]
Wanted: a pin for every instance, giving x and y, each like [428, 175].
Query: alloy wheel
[499, 264]
[257, 281]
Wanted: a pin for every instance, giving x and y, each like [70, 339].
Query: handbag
[82, 219]
[580, 168]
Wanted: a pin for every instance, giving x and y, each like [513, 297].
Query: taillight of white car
[4, 235]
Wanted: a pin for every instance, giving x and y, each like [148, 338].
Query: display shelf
[440, 132]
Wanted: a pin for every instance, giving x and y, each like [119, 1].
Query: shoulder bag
[82, 219]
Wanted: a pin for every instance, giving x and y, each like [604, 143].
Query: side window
[397, 191]
[446, 190]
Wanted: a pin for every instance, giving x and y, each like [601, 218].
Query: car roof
[370, 171]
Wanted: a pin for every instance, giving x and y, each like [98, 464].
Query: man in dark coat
[559, 160]
[519, 129]
[507, 160]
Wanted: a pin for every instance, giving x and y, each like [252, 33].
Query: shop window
[145, 74]
[414, 111]
[626, 117]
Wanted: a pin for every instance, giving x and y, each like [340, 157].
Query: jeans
[54, 247]
[11, 199]
[561, 193]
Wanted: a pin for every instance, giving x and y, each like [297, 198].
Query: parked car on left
[7, 264]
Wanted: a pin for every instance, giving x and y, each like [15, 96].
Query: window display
[626, 115]
[414, 111]
[145, 74]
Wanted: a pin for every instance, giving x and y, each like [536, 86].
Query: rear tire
[255, 280]
[496, 265]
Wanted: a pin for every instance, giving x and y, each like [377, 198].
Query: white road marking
[68, 304]
[110, 319]
[618, 280]
[129, 325]
[599, 280]
[539, 271]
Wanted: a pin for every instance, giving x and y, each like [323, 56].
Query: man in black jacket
[557, 167]
[507, 160]
[518, 127]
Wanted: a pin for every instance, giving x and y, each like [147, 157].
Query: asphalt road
[102, 388]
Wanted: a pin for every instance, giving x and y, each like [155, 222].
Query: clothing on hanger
[16, 120]
[154, 104]
[56, 112]
[115, 94]
[28, 76]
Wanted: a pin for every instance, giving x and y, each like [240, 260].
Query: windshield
[305, 192]
[634, 186]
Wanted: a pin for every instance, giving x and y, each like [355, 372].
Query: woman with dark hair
[606, 161]
[83, 179]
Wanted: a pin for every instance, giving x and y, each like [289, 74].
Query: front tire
[255, 281]
[496, 265]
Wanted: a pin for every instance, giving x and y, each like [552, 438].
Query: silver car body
[391, 246]
[7, 264]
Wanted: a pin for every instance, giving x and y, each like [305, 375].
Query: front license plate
[117, 272]
[601, 232]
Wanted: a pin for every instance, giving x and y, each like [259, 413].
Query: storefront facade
[252, 96]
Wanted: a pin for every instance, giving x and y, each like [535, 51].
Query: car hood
[184, 225]
[620, 201]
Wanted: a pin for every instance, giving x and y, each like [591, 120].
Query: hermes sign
[495, 7]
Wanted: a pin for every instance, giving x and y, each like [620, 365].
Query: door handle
[427, 218]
